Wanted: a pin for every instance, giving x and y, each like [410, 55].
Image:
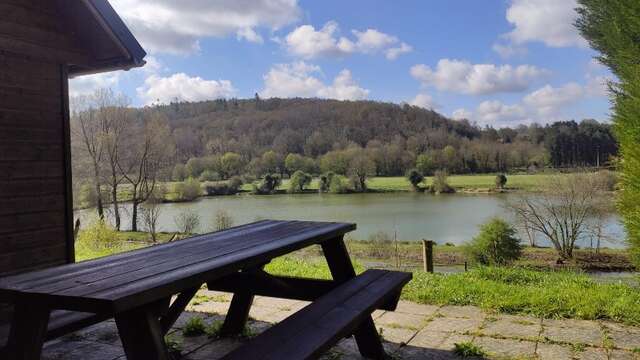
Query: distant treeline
[236, 137]
[216, 140]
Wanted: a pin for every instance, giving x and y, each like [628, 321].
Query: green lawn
[554, 294]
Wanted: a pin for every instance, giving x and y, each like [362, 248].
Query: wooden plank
[26, 118]
[176, 309]
[32, 136]
[28, 331]
[30, 221]
[147, 285]
[238, 313]
[141, 335]
[27, 16]
[38, 36]
[24, 151]
[31, 204]
[19, 241]
[26, 99]
[62, 56]
[36, 187]
[311, 331]
[30, 170]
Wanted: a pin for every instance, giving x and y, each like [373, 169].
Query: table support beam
[141, 334]
[28, 331]
[367, 338]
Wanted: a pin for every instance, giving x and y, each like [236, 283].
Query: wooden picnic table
[137, 287]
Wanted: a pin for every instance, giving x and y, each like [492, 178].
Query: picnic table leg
[141, 334]
[28, 331]
[342, 270]
[238, 312]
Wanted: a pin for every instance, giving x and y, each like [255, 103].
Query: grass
[517, 290]
[195, 326]
[468, 349]
[124, 241]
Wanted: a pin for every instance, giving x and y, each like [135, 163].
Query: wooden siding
[34, 179]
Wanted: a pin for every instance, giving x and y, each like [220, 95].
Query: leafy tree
[209, 175]
[179, 172]
[415, 178]
[230, 164]
[425, 164]
[441, 183]
[501, 181]
[338, 185]
[194, 167]
[325, 182]
[299, 180]
[361, 167]
[496, 244]
[268, 185]
[187, 190]
[612, 28]
[294, 162]
[271, 163]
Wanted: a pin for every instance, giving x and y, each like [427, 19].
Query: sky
[495, 62]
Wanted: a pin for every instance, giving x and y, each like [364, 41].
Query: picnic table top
[124, 281]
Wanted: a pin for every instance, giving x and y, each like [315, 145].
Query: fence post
[427, 255]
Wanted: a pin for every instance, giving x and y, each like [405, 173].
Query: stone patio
[413, 331]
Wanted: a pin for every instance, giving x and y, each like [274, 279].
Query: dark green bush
[496, 244]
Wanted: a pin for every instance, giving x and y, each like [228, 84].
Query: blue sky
[495, 62]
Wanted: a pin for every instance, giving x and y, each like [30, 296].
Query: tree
[151, 211]
[324, 183]
[501, 181]
[299, 180]
[415, 178]
[268, 185]
[562, 210]
[223, 220]
[179, 173]
[496, 244]
[293, 163]
[187, 222]
[230, 164]
[361, 167]
[149, 146]
[612, 28]
[440, 183]
[424, 164]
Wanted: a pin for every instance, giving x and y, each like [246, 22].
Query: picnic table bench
[146, 290]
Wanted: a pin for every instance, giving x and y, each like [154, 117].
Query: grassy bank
[480, 183]
[551, 294]
[554, 294]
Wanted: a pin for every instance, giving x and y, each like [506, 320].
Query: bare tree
[187, 222]
[561, 212]
[149, 146]
[151, 211]
[87, 126]
[223, 220]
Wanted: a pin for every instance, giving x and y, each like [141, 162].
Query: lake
[450, 218]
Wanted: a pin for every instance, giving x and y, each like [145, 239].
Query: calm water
[444, 218]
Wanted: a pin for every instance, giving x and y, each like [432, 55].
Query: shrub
[496, 244]
[88, 195]
[223, 220]
[415, 178]
[209, 175]
[501, 181]
[99, 235]
[187, 190]
[440, 183]
[382, 245]
[187, 222]
[299, 180]
[608, 180]
[229, 187]
[268, 185]
[338, 185]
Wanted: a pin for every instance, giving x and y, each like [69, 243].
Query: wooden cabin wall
[35, 196]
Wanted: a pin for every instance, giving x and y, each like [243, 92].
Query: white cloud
[494, 112]
[507, 51]
[299, 79]
[477, 79]
[548, 100]
[250, 35]
[183, 88]
[175, 27]
[548, 21]
[87, 84]
[424, 101]
[460, 114]
[307, 42]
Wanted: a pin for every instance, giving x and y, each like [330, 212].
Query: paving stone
[506, 347]
[554, 352]
[262, 313]
[469, 312]
[376, 314]
[409, 307]
[397, 335]
[211, 307]
[429, 339]
[80, 350]
[215, 350]
[510, 326]
[190, 343]
[572, 331]
[407, 321]
[280, 304]
[592, 354]
[418, 353]
[624, 337]
[623, 355]
[185, 316]
[104, 332]
[460, 325]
